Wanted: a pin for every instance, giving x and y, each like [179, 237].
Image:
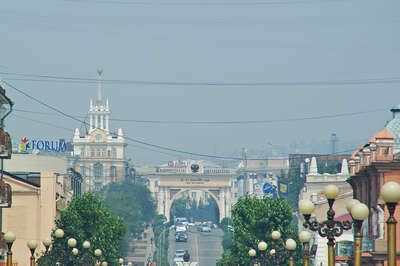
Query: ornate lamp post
[359, 212]
[46, 243]
[305, 238]
[329, 228]
[252, 253]
[32, 245]
[86, 244]
[291, 247]
[98, 253]
[121, 261]
[9, 237]
[75, 251]
[72, 242]
[129, 263]
[59, 233]
[390, 192]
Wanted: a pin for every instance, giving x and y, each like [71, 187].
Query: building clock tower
[99, 154]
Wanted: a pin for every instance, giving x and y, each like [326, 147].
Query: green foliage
[225, 222]
[86, 218]
[178, 208]
[161, 233]
[184, 207]
[253, 221]
[296, 182]
[133, 203]
[227, 240]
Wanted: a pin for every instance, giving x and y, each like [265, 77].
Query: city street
[204, 247]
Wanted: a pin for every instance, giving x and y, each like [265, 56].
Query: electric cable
[185, 122]
[129, 138]
[211, 83]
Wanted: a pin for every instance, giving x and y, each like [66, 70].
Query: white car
[178, 259]
[205, 229]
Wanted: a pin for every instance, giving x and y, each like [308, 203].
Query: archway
[196, 206]
[218, 200]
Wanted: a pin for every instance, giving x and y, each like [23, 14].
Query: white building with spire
[313, 190]
[98, 153]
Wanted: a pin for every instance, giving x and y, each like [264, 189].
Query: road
[205, 248]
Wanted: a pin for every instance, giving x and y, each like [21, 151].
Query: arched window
[113, 171]
[98, 170]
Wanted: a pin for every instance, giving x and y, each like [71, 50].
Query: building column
[107, 122]
[96, 120]
[223, 199]
[91, 121]
[102, 121]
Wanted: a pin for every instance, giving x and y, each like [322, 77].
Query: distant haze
[241, 41]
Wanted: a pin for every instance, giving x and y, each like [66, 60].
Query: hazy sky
[238, 41]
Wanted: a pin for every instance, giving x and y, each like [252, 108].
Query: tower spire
[99, 96]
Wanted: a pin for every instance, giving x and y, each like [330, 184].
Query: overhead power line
[68, 79]
[134, 139]
[236, 122]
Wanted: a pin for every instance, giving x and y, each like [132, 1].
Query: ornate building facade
[99, 154]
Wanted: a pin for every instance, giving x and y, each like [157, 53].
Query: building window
[98, 170]
[108, 153]
[82, 153]
[92, 152]
[114, 153]
[113, 171]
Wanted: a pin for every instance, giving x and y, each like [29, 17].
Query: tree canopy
[86, 218]
[253, 221]
[131, 201]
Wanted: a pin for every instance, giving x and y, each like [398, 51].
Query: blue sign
[267, 188]
[270, 190]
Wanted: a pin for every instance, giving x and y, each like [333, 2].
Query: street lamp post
[291, 247]
[9, 237]
[359, 212]
[98, 253]
[121, 261]
[252, 253]
[390, 192]
[46, 243]
[329, 228]
[305, 238]
[32, 245]
[75, 251]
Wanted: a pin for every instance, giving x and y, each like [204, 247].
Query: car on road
[178, 259]
[181, 237]
[179, 253]
[205, 228]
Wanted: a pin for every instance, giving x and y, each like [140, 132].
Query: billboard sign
[258, 190]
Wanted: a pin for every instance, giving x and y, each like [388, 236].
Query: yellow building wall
[31, 215]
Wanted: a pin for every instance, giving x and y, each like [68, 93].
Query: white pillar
[223, 204]
[91, 122]
[96, 120]
[102, 121]
[107, 121]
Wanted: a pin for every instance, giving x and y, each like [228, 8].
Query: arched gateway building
[169, 183]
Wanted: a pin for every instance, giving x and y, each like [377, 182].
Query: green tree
[86, 218]
[133, 203]
[253, 221]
